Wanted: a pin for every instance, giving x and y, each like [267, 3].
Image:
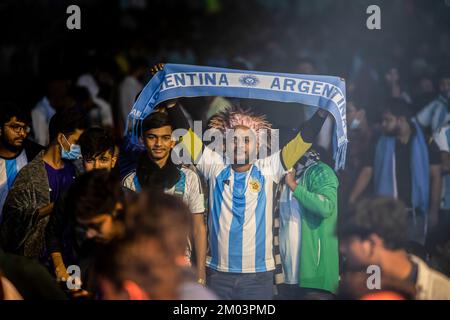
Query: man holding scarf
[241, 260]
[405, 167]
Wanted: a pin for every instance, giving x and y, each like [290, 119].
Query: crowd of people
[86, 213]
[99, 219]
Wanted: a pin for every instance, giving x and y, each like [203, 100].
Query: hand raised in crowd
[157, 67]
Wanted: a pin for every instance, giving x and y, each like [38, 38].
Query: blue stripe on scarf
[384, 174]
[176, 81]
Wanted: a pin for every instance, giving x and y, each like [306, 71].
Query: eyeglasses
[17, 128]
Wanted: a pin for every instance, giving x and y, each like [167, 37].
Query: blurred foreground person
[39, 184]
[30, 279]
[137, 267]
[375, 234]
[172, 221]
[16, 150]
[98, 151]
[354, 286]
[7, 290]
[90, 216]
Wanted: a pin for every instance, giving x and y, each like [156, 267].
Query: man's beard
[10, 147]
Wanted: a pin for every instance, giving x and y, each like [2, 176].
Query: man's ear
[115, 156]
[60, 139]
[375, 242]
[172, 145]
[134, 291]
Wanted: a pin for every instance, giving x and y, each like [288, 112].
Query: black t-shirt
[403, 165]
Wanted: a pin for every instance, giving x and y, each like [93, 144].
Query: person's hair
[66, 122]
[385, 217]
[165, 214]
[95, 141]
[142, 258]
[399, 108]
[8, 110]
[156, 120]
[234, 116]
[80, 94]
[94, 193]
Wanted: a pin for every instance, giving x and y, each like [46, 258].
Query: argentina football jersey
[8, 172]
[241, 215]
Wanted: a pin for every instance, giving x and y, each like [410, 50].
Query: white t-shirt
[193, 194]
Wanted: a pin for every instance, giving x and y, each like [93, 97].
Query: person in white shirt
[56, 98]
[103, 111]
[436, 114]
[131, 86]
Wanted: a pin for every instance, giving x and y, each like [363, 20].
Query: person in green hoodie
[308, 244]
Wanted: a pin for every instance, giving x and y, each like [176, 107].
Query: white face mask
[355, 124]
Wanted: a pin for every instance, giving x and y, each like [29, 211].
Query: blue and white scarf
[174, 81]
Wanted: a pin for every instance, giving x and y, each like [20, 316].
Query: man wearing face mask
[30, 201]
[360, 135]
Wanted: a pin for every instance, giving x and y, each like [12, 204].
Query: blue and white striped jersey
[241, 213]
[8, 172]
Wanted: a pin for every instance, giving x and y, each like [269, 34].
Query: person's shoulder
[191, 174]
[128, 180]
[40, 105]
[30, 169]
[32, 148]
[323, 171]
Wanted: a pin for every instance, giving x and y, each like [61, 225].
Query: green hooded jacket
[319, 256]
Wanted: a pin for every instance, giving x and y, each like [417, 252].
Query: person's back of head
[374, 233]
[95, 201]
[137, 267]
[165, 214]
[383, 216]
